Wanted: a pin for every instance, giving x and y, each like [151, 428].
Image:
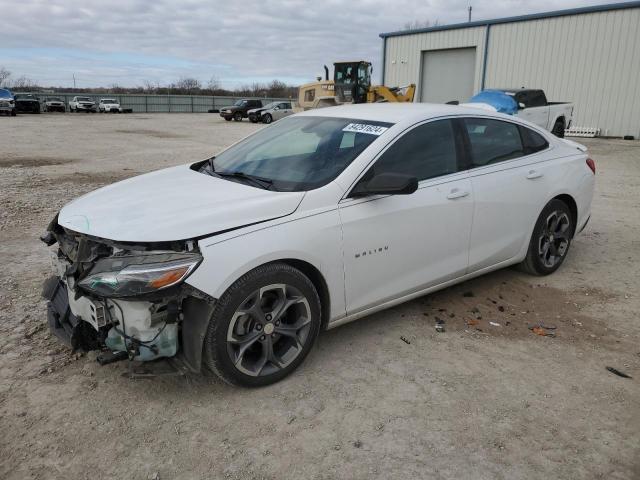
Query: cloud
[126, 42]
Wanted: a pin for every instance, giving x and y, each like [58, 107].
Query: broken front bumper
[62, 322]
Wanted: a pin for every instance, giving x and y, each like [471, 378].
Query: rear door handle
[457, 193]
[533, 174]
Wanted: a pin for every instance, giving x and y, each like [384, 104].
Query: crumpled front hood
[173, 204]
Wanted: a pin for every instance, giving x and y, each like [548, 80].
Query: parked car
[27, 103]
[270, 112]
[7, 103]
[239, 109]
[54, 104]
[531, 105]
[236, 263]
[82, 104]
[109, 105]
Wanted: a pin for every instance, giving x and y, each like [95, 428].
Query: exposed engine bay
[127, 299]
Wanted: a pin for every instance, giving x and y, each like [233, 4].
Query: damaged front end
[130, 298]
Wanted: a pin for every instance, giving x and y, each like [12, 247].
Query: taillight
[592, 165]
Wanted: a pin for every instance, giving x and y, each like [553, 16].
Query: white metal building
[589, 56]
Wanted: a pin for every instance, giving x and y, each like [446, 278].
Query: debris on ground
[615, 371]
[494, 324]
[439, 325]
[543, 331]
[471, 322]
[357, 444]
[404, 339]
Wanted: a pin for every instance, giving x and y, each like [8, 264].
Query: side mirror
[386, 184]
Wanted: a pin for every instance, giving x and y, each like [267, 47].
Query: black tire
[228, 119]
[257, 334]
[558, 128]
[237, 116]
[550, 240]
[267, 118]
[253, 119]
[13, 113]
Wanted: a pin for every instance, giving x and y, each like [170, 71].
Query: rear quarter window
[532, 141]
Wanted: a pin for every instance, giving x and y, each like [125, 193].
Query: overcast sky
[128, 41]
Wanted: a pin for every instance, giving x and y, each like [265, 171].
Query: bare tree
[24, 83]
[417, 24]
[4, 77]
[187, 85]
[213, 84]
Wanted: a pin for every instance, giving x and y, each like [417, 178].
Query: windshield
[107, 100]
[54, 99]
[5, 93]
[240, 103]
[84, 99]
[300, 153]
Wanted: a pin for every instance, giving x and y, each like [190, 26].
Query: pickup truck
[528, 104]
[82, 104]
[7, 103]
[239, 109]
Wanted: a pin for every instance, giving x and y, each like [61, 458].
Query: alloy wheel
[268, 330]
[554, 240]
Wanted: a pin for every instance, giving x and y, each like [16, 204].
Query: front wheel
[550, 240]
[267, 118]
[263, 326]
[237, 116]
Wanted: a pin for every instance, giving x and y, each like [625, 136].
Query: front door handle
[533, 174]
[457, 193]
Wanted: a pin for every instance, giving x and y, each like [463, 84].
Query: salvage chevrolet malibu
[235, 264]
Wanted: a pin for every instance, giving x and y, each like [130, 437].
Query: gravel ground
[475, 402]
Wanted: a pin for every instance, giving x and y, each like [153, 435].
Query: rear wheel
[550, 240]
[558, 128]
[263, 326]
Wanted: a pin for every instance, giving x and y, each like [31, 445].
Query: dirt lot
[475, 402]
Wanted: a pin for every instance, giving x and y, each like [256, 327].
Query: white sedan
[236, 263]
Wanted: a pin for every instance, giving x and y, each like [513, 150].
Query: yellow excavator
[351, 84]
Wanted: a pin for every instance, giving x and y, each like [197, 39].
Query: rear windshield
[300, 153]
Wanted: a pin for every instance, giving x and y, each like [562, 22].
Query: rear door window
[537, 99]
[492, 141]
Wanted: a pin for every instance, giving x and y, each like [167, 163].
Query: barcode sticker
[365, 128]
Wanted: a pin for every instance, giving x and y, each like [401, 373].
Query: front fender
[314, 239]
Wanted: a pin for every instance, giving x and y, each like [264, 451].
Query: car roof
[398, 113]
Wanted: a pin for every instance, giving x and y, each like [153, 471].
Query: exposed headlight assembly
[131, 275]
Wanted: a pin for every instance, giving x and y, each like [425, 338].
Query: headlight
[138, 274]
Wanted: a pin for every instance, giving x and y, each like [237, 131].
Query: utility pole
[74, 81]
[470, 8]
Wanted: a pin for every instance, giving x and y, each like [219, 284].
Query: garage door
[447, 75]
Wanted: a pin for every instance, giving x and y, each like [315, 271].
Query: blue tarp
[502, 102]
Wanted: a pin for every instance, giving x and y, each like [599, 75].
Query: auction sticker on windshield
[365, 128]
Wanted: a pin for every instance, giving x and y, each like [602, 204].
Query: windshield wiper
[261, 182]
